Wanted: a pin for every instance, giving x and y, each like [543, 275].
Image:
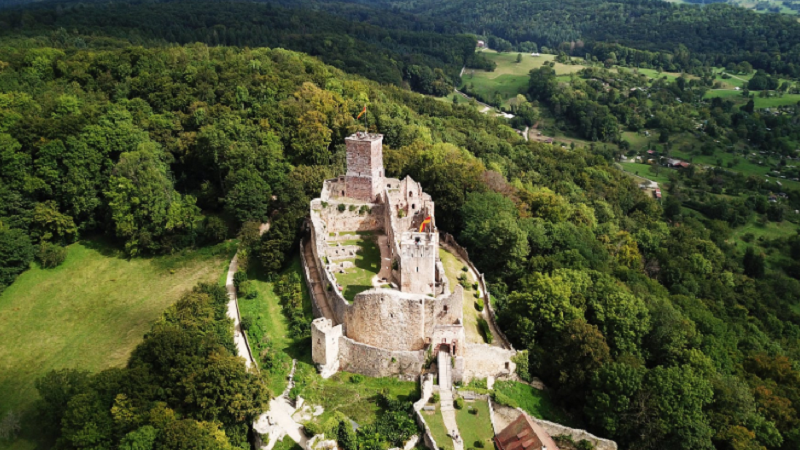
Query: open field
[88, 313]
[367, 264]
[762, 230]
[269, 325]
[644, 170]
[534, 401]
[475, 427]
[510, 77]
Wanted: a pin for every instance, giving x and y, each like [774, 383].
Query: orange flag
[362, 112]
[424, 222]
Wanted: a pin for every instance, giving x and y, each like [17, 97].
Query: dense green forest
[398, 49]
[648, 322]
[671, 36]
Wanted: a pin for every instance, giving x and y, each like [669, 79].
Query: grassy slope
[452, 269]
[475, 427]
[89, 313]
[357, 400]
[438, 430]
[644, 170]
[534, 401]
[510, 77]
[269, 322]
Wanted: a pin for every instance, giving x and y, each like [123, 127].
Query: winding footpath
[278, 421]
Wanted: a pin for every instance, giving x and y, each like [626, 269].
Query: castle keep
[409, 311]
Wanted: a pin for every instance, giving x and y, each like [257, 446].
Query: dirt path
[278, 422]
[233, 312]
[239, 337]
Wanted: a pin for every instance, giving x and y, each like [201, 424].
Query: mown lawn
[88, 314]
[270, 328]
[475, 427]
[438, 430]
[534, 401]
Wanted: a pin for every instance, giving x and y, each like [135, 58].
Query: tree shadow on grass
[351, 290]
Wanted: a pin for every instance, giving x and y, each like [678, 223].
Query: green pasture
[646, 171]
[88, 314]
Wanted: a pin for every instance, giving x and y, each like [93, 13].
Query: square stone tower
[364, 178]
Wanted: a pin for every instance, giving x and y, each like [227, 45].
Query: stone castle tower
[364, 178]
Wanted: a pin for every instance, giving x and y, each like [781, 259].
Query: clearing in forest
[88, 314]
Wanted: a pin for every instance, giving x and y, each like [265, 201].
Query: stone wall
[426, 387]
[388, 319]
[364, 166]
[347, 220]
[483, 360]
[448, 240]
[378, 362]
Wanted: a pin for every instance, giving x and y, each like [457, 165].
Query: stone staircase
[445, 365]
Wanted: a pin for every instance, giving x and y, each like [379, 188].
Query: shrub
[459, 403]
[312, 429]
[246, 323]
[503, 399]
[585, 445]
[464, 269]
[215, 229]
[521, 360]
[238, 278]
[479, 304]
[357, 378]
[435, 398]
[475, 286]
[401, 213]
[479, 444]
[352, 207]
[247, 290]
[483, 326]
[473, 411]
[324, 204]
[364, 209]
[341, 207]
[51, 255]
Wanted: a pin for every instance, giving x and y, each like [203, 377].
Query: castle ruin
[409, 312]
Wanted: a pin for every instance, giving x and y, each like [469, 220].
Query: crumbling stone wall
[379, 362]
[483, 360]
[388, 319]
[347, 220]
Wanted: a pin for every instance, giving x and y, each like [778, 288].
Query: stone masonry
[411, 313]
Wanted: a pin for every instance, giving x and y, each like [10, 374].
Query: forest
[652, 325]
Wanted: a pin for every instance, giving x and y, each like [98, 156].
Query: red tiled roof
[524, 434]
